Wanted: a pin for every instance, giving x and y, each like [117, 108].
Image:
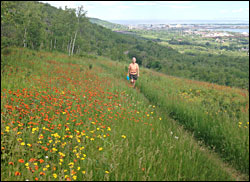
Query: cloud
[154, 3]
[238, 10]
[224, 11]
[123, 7]
[105, 3]
[174, 2]
[179, 7]
[145, 3]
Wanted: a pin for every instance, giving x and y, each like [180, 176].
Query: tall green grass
[221, 124]
[143, 143]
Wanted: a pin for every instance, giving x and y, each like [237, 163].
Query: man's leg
[134, 84]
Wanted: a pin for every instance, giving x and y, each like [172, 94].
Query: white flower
[171, 133]
[46, 157]
[176, 137]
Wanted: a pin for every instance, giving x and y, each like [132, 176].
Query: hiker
[133, 71]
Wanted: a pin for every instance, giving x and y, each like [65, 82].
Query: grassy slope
[106, 24]
[217, 115]
[68, 92]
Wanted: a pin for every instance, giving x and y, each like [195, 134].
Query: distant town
[205, 30]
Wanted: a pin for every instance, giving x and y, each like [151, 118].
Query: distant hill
[106, 24]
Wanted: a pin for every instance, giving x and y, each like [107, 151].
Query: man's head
[133, 60]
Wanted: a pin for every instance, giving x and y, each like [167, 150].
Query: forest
[39, 26]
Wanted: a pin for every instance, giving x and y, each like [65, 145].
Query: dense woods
[39, 26]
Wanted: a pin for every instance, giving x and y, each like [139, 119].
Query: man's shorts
[134, 77]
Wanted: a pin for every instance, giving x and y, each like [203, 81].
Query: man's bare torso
[133, 68]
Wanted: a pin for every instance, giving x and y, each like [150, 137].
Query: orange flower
[11, 163]
[36, 179]
[42, 173]
[41, 161]
[21, 160]
[17, 173]
[32, 160]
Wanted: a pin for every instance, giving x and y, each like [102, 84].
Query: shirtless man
[133, 71]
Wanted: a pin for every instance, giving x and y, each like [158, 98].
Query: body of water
[231, 30]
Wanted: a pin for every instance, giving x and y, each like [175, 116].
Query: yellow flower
[106, 172]
[44, 169]
[152, 112]
[35, 164]
[247, 122]
[55, 175]
[54, 149]
[83, 172]
[159, 118]
[64, 112]
[29, 144]
[138, 112]
[62, 92]
[153, 106]
[104, 136]
[100, 149]
[97, 129]
[240, 122]
[109, 129]
[48, 166]
[81, 148]
[82, 158]
[123, 136]
[65, 170]
[74, 177]
[27, 164]
[92, 139]
[148, 115]
[66, 176]
[22, 143]
[78, 168]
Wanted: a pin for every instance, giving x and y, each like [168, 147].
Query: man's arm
[138, 70]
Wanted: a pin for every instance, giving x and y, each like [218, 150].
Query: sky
[160, 10]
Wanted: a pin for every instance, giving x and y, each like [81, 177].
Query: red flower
[21, 160]
[17, 173]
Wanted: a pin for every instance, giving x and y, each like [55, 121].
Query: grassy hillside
[69, 118]
[106, 24]
[217, 115]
